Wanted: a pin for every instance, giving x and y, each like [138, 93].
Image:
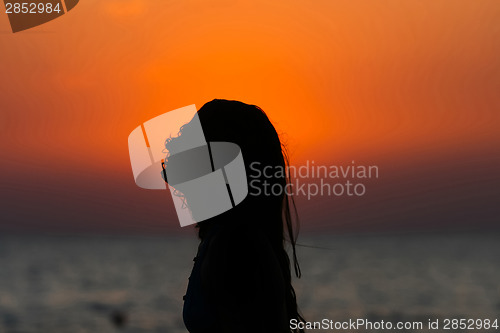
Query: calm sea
[80, 283]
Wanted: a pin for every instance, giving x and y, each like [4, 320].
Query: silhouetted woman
[241, 279]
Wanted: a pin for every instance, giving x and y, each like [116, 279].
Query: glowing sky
[411, 86]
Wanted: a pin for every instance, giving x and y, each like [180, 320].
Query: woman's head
[248, 127]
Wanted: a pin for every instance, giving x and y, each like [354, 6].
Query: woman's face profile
[209, 179]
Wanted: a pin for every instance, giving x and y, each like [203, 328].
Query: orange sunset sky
[410, 86]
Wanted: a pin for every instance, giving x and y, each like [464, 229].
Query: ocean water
[79, 284]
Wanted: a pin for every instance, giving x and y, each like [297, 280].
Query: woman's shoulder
[247, 257]
[240, 243]
[242, 275]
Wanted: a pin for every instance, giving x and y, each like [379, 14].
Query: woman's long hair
[262, 150]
